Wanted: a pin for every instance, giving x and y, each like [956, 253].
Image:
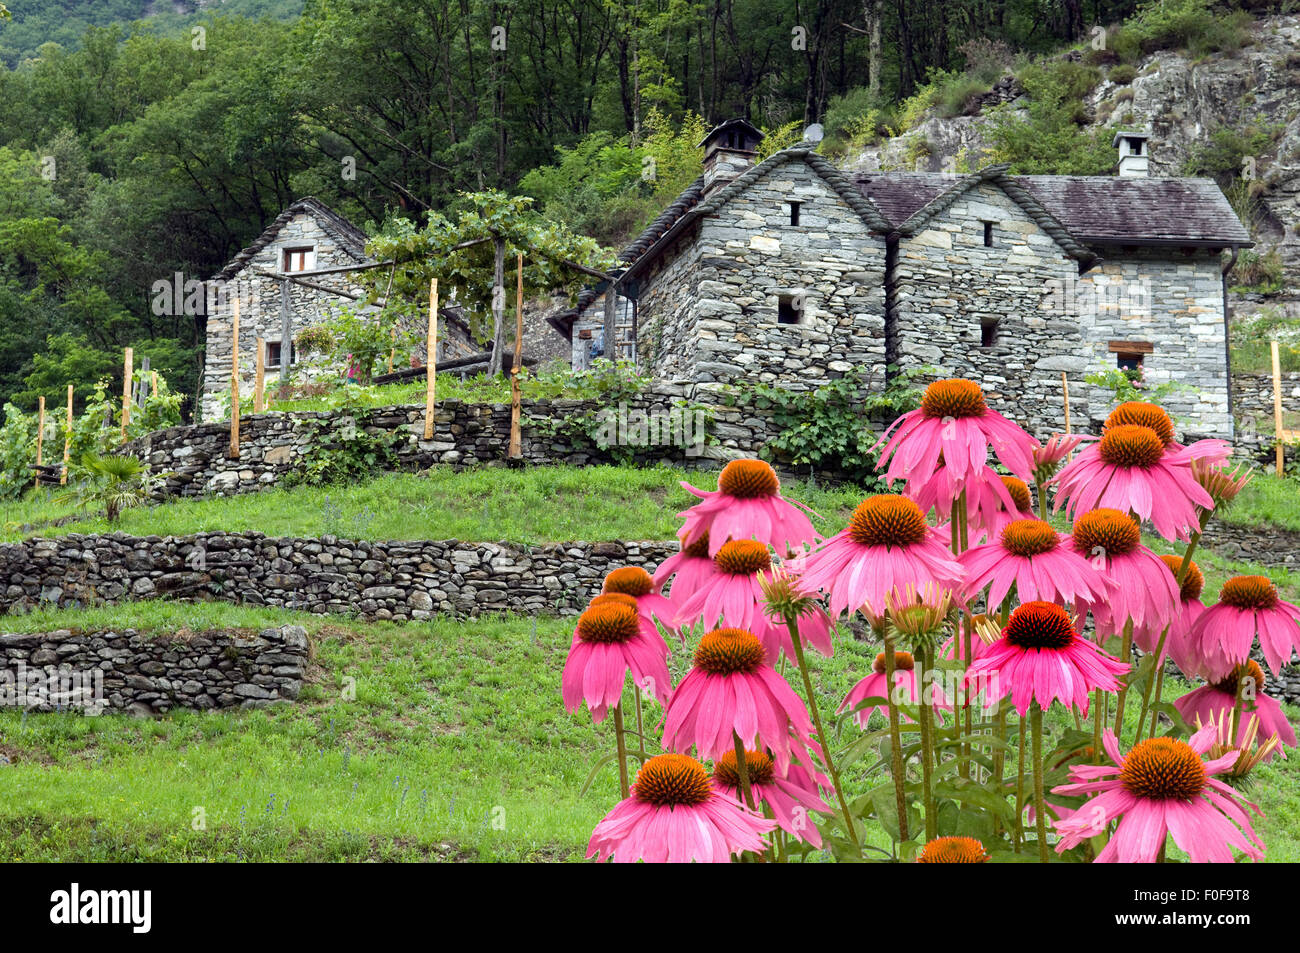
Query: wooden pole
[498, 307]
[611, 299]
[286, 340]
[1065, 389]
[40, 435]
[516, 443]
[234, 379]
[431, 360]
[1278, 430]
[129, 366]
[259, 383]
[67, 443]
[153, 382]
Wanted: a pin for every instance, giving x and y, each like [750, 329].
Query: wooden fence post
[126, 391]
[431, 360]
[516, 443]
[67, 442]
[259, 382]
[234, 379]
[40, 436]
[1279, 432]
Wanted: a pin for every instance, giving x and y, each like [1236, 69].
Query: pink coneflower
[1144, 414]
[688, 569]
[608, 643]
[1210, 702]
[747, 504]
[675, 816]
[873, 686]
[1033, 557]
[1048, 457]
[1248, 606]
[1142, 588]
[1040, 658]
[955, 422]
[1161, 787]
[637, 583]
[792, 797]
[887, 545]
[953, 850]
[733, 598]
[1137, 468]
[1179, 644]
[732, 692]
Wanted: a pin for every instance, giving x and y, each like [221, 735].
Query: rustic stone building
[301, 269]
[791, 271]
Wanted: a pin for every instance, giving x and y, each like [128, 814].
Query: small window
[298, 259]
[273, 354]
[789, 309]
[988, 234]
[988, 332]
[1129, 362]
[794, 213]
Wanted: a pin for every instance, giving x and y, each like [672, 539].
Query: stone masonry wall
[1174, 302]
[259, 309]
[1252, 408]
[378, 580]
[149, 673]
[949, 285]
[719, 323]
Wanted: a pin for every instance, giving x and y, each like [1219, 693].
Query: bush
[1049, 141]
[1260, 273]
[1122, 74]
[1180, 24]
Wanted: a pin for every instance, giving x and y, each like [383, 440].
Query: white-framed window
[298, 258]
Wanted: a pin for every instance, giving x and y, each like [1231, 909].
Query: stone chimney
[1133, 153]
[729, 149]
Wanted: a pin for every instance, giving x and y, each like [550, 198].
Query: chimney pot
[1134, 153]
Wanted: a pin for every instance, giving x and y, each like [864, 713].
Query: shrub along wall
[384, 580]
[147, 673]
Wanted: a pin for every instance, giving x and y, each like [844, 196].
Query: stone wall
[149, 673]
[1252, 406]
[1173, 302]
[378, 580]
[259, 308]
[1261, 545]
[711, 314]
[949, 286]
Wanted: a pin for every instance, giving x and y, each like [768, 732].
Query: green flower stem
[622, 751]
[1157, 681]
[999, 758]
[895, 740]
[1125, 656]
[1041, 486]
[1040, 803]
[1098, 716]
[746, 792]
[640, 725]
[1020, 785]
[792, 623]
[927, 743]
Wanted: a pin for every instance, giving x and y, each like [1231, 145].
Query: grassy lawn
[456, 746]
[489, 504]
[1267, 499]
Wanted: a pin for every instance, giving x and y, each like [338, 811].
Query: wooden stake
[40, 435]
[431, 360]
[234, 379]
[516, 443]
[259, 383]
[129, 366]
[1278, 431]
[392, 348]
[1065, 389]
[153, 382]
[67, 443]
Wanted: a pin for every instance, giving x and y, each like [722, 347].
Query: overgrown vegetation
[835, 426]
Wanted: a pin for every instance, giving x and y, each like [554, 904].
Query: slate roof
[349, 238]
[1100, 209]
[1093, 210]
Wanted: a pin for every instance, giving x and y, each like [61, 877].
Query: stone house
[301, 269]
[793, 272]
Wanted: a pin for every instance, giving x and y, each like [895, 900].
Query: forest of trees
[139, 151]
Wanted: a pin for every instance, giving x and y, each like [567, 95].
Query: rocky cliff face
[1183, 101]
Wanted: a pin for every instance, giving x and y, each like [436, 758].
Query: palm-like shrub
[116, 483]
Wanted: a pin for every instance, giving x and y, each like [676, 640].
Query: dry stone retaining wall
[150, 673]
[377, 580]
